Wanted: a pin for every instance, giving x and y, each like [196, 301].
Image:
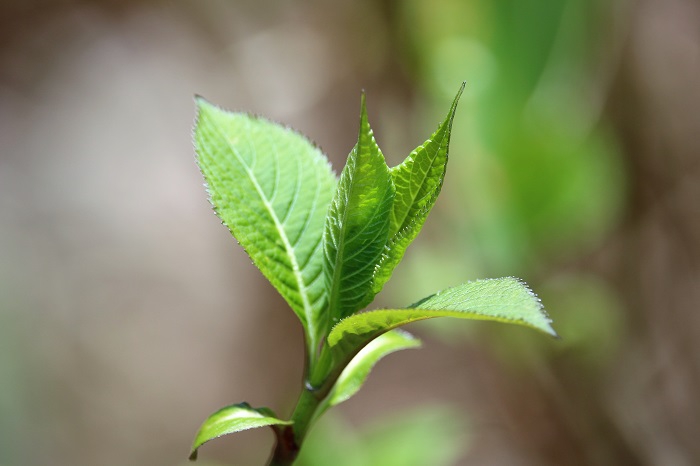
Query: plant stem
[286, 450]
[290, 438]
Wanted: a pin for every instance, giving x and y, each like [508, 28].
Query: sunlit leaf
[503, 299]
[234, 418]
[357, 225]
[271, 187]
[355, 374]
[418, 181]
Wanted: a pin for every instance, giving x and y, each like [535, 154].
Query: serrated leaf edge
[309, 324]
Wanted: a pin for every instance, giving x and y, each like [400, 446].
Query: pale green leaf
[357, 225]
[234, 418]
[418, 181]
[354, 375]
[502, 299]
[271, 187]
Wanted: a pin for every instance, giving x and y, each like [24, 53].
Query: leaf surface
[230, 419]
[502, 299]
[271, 187]
[357, 225]
[355, 374]
[418, 181]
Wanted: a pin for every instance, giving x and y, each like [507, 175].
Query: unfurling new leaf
[357, 225]
[418, 181]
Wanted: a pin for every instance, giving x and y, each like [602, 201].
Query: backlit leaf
[271, 187]
[230, 419]
[357, 225]
[418, 181]
[503, 299]
[354, 375]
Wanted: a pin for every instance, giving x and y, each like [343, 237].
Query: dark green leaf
[357, 225]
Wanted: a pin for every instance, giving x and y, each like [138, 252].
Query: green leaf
[234, 418]
[501, 299]
[271, 187]
[354, 375]
[357, 225]
[418, 181]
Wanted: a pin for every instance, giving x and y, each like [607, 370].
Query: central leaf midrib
[334, 297]
[288, 247]
[432, 162]
[340, 260]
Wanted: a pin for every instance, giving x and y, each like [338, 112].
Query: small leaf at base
[233, 418]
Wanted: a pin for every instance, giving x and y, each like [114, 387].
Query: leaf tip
[546, 322]
[363, 106]
[548, 327]
[203, 107]
[453, 108]
[193, 455]
[199, 100]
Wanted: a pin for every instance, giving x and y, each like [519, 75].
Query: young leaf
[357, 225]
[230, 419]
[271, 187]
[418, 181]
[502, 299]
[354, 375]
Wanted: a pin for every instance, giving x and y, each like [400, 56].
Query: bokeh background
[128, 313]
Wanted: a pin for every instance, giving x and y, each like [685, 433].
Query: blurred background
[128, 314]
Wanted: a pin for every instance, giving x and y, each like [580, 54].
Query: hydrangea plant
[328, 245]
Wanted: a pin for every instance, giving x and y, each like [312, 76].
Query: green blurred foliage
[539, 173]
[539, 180]
[434, 435]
